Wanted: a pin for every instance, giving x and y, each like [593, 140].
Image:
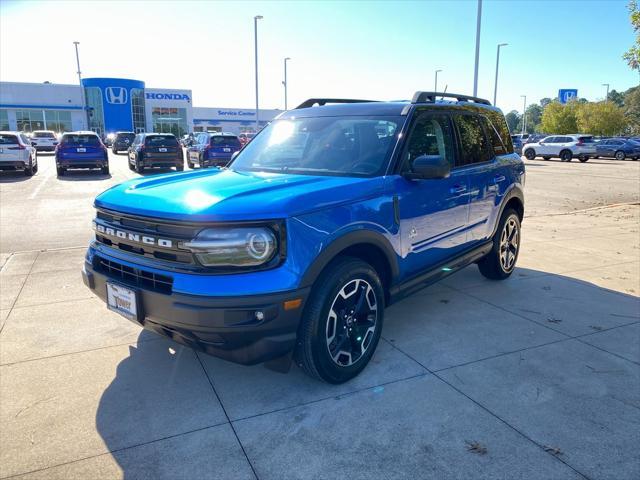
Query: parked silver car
[17, 153]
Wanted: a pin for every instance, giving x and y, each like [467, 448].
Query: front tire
[530, 154]
[342, 321]
[566, 155]
[501, 260]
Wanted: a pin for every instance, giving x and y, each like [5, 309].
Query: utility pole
[285, 82]
[435, 88]
[255, 35]
[84, 106]
[607, 97]
[524, 114]
[495, 87]
[475, 71]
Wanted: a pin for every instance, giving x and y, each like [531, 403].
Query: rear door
[10, 148]
[161, 147]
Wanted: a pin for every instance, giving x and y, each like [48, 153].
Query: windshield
[344, 146]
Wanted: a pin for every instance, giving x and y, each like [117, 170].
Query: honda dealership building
[117, 104]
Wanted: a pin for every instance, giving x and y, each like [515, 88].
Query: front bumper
[225, 327]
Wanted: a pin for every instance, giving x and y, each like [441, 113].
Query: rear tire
[180, 168]
[30, 170]
[501, 260]
[583, 159]
[139, 167]
[113, 149]
[60, 171]
[566, 155]
[620, 155]
[105, 170]
[341, 322]
[530, 154]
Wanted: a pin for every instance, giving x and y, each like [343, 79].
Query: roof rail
[323, 101]
[430, 97]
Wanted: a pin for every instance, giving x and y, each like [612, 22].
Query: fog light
[259, 316]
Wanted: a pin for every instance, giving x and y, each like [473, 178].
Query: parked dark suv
[212, 150]
[335, 210]
[155, 150]
[122, 141]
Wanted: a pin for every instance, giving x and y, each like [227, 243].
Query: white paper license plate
[162, 149]
[122, 300]
[81, 150]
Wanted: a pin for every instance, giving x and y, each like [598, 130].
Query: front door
[432, 213]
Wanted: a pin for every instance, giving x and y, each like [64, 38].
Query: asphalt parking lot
[536, 377]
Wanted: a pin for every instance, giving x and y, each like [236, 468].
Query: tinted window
[124, 136]
[43, 135]
[500, 125]
[8, 140]
[549, 140]
[224, 141]
[475, 148]
[80, 139]
[586, 139]
[161, 141]
[431, 135]
[494, 137]
[341, 145]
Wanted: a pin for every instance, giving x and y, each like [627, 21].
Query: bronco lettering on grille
[132, 237]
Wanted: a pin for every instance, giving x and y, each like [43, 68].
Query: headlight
[234, 246]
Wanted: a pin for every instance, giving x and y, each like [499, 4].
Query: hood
[227, 195]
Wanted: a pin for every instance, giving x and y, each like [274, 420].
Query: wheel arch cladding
[367, 246]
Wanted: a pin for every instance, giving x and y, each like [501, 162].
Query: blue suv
[334, 211]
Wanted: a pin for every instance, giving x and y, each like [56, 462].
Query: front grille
[134, 276]
[112, 222]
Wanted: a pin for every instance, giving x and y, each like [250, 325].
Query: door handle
[458, 189]
[499, 178]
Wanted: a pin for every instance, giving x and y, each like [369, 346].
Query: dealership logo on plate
[116, 95]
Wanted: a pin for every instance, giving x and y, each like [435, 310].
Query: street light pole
[524, 114]
[606, 85]
[435, 88]
[84, 107]
[255, 36]
[495, 87]
[285, 82]
[475, 71]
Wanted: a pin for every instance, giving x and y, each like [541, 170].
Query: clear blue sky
[378, 50]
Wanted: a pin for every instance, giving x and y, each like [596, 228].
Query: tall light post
[606, 85]
[84, 107]
[285, 82]
[475, 71]
[255, 37]
[435, 88]
[524, 114]
[495, 87]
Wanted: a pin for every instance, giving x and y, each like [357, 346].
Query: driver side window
[431, 135]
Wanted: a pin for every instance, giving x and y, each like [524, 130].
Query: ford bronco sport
[334, 211]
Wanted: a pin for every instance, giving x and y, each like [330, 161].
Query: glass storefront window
[58, 120]
[137, 110]
[169, 120]
[29, 120]
[4, 120]
[96, 112]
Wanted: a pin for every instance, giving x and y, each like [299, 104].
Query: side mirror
[234, 155]
[427, 167]
[33, 144]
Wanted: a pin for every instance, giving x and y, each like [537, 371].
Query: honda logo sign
[116, 95]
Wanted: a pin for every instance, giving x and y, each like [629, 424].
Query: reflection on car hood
[219, 195]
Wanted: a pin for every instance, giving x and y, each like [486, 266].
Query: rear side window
[161, 141]
[499, 123]
[431, 135]
[494, 137]
[224, 141]
[586, 139]
[82, 139]
[8, 140]
[474, 144]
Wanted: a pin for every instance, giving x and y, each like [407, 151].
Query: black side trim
[438, 272]
[515, 192]
[348, 240]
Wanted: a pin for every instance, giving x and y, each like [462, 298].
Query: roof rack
[430, 97]
[323, 101]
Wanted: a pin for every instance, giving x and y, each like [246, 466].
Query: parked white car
[44, 140]
[564, 147]
[17, 153]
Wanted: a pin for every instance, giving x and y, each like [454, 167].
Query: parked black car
[122, 141]
[155, 150]
[618, 148]
[517, 144]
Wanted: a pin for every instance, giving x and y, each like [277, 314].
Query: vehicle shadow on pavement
[487, 345]
[83, 176]
[14, 176]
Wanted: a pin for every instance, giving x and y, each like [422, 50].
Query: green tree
[601, 118]
[616, 97]
[512, 118]
[632, 56]
[534, 114]
[632, 110]
[559, 118]
[545, 101]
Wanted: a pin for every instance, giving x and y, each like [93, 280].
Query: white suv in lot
[16, 153]
[44, 140]
[564, 147]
